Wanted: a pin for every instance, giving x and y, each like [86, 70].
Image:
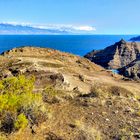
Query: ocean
[76, 44]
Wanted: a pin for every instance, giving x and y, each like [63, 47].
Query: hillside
[69, 98]
[115, 56]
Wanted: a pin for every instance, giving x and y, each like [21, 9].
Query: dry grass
[53, 65]
[105, 103]
[89, 131]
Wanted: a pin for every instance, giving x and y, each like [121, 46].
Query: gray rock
[132, 70]
[116, 56]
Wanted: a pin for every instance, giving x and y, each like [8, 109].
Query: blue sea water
[76, 44]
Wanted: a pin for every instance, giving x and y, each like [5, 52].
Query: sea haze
[76, 44]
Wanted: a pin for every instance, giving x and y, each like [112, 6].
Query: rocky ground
[94, 103]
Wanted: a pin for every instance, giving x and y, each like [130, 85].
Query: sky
[91, 16]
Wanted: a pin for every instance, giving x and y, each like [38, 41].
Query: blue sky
[106, 16]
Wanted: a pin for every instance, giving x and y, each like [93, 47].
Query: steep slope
[50, 62]
[115, 56]
[132, 70]
[91, 104]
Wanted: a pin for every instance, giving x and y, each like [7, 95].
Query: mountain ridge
[137, 38]
[115, 56]
[58, 29]
[7, 28]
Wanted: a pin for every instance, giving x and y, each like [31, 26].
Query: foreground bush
[21, 122]
[19, 106]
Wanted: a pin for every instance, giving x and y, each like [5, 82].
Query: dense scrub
[19, 106]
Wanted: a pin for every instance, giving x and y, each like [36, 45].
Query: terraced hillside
[76, 99]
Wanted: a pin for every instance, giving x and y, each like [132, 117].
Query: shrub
[120, 91]
[95, 92]
[21, 122]
[51, 95]
[16, 93]
[18, 100]
[17, 85]
[50, 91]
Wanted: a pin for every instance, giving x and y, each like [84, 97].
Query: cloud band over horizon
[64, 28]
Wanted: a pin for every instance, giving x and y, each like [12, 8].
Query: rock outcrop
[116, 56]
[132, 70]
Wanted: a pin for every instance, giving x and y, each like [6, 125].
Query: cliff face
[132, 70]
[115, 56]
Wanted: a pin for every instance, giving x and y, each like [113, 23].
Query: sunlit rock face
[116, 56]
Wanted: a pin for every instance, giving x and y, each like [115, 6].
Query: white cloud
[85, 28]
[66, 27]
[59, 27]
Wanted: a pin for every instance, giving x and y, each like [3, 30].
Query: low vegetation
[67, 98]
[87, 131]
[51, 95]
[53, 65]
[19, 106]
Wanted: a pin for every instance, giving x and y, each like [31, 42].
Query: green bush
[17, 93]
[50, 91]
[17, 85]
[19, 103]
[21, 122]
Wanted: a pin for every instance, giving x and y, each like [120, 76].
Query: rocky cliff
[115, 56]
[132, 70]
